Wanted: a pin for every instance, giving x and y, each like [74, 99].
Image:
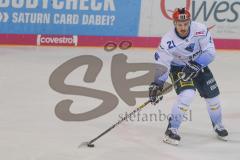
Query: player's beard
[184, 32]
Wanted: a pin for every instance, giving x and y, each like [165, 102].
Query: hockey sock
[214, 110]
[180, 108]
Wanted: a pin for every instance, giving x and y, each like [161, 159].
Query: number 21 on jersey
[171, 44]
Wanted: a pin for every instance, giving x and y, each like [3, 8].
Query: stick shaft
[130, 114]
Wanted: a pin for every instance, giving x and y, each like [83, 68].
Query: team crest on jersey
[190, 47]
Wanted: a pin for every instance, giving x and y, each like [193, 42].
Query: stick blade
[86, 145]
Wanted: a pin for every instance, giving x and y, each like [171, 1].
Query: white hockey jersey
[197, 46]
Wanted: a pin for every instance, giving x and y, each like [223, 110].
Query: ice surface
[30, 130]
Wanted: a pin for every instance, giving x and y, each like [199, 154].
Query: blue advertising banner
[70, 17]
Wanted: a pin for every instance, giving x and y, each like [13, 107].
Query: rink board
[96, 41]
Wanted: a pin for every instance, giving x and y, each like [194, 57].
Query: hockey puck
[90, 145]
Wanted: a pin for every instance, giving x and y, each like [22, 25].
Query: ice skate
[171, 135]
[221, 132]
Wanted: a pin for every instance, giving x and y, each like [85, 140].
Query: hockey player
[186, 51]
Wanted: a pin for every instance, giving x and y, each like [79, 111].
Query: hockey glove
[154, 92]
[191, 70]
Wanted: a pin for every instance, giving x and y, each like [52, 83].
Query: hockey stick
[90, 143]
